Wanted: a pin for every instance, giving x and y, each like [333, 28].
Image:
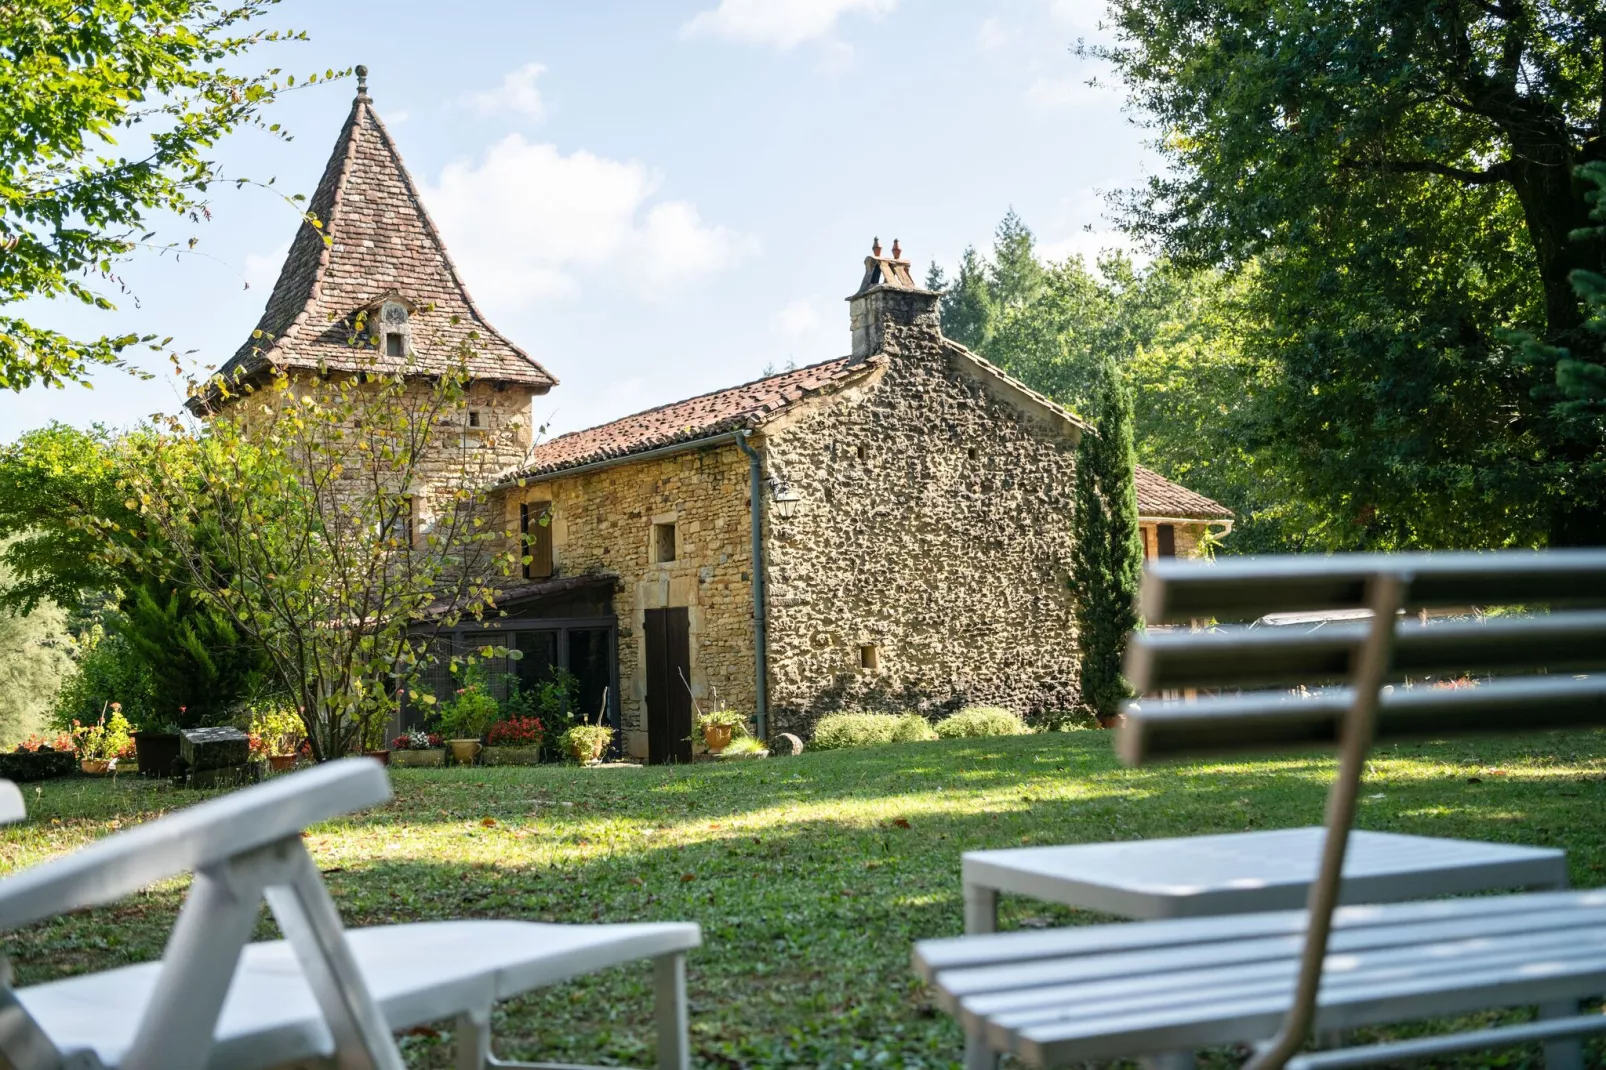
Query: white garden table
[1240, 873]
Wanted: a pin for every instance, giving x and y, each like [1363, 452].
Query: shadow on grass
[809, 888]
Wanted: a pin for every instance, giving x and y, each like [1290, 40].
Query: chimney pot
[897, 250]
[875, 247]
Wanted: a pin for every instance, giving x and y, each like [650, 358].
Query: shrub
[517, 732]
[981, 721]
[106, 739]
[275, 728]
[744, 747]
[417, 740]
[839, 730]
[108, 670]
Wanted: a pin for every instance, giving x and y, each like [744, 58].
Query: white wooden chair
[324, 995]
[1150, 988]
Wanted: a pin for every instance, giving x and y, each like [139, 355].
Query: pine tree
[1108, 557]
[967, 307]
[1016, 278]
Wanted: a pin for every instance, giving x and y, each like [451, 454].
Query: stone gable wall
[602, 522]
[946, 546]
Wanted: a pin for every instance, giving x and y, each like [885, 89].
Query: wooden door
[668, 699]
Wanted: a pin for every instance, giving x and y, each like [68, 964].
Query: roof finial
[897, 250]
[875, 247]
[362, 80]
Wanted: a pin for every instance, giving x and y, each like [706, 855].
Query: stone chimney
[887, 297]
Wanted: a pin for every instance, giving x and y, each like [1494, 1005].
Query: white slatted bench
[1149, 988]
[325, 995]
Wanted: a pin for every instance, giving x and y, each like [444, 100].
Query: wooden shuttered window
[535, 535]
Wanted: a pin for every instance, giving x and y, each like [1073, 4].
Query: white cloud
[783, 24]
[992, 35]
[528, 221]
[396, 118]
[517, 93]
[799, 318]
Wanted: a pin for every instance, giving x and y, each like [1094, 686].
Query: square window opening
[473, 417]
[395, 345]
[869, 656]
[663, 543]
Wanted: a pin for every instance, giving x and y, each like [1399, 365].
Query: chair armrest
[12, 808]
[191, 839]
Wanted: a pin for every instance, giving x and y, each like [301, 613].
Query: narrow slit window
[535, 537]
[663, 543]
[863, 451]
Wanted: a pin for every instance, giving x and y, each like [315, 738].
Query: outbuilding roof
[380, 242]
[1160, 498]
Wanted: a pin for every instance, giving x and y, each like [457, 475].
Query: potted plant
[465, 719]
[156, 746]
[515, 741]
[100, 745]
[417, 749]
[276, 734]
[717, 727]
[586, 742]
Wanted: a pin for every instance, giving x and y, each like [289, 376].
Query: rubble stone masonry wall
[926, 567]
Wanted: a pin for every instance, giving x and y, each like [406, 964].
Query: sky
[654, 198]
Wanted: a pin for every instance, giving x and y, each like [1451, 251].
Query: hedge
[981, 721]
[839, 730]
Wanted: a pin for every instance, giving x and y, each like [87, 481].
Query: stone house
[908, 507]
[890, 529]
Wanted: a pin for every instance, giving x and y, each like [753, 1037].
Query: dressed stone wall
[602, 521]
[934, 528]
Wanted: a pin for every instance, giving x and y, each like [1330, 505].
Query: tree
[967, 306]
[318, 533]
[33, 660]
[75, 77]
[1107, 561]
[1405, 177]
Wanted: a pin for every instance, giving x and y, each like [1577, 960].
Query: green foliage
[108, 670]
[276, 727]
[471, 712]
[78, 78]
[297, 534]
[552, 700]
[719, 719]
[584, 739]
[1405, 178]
[743, 747]
[838, 730]
[1107, 560]
[197, 661]
[35, 655]
[981, 721]
[107, 738]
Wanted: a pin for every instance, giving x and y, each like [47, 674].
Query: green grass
[810, 876]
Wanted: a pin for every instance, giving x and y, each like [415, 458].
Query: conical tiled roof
[381, 243]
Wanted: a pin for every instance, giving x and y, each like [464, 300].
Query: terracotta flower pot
[281, 763]
[94, 766]
[585, 753]
[464, 751]
[380, 756]
[717, 736]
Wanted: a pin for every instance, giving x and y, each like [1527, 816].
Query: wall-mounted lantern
[785, 499]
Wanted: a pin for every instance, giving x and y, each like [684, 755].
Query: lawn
[811, 876]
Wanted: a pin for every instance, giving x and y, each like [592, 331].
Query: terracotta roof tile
[1159, 497]
[382, 241]
[699, 417]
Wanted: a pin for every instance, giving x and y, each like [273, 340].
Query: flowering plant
[106, 739]
[62, 742]
[416, 740]
[275, 729]
[517, 732]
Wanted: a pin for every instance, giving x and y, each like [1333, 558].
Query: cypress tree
[1107, 560]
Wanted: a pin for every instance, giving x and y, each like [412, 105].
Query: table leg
[1562, 1054]
[1171, 1060]
[981, 916]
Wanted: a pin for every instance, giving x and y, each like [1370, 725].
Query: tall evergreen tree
[1108, 557]
[967, 307]
[1016, 277]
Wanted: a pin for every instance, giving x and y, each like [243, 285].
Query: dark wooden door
[668, 700]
